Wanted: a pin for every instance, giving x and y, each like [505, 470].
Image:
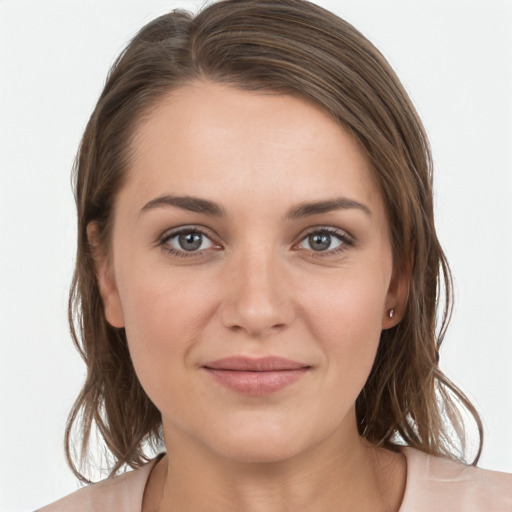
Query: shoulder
[119, 494]
[441, 484]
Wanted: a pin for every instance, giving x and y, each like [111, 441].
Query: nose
[256, 299]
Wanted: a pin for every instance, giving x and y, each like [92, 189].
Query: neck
[333, 475]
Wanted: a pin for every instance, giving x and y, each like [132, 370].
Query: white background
[455, 59]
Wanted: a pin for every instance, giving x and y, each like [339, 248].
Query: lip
[253, 364]
[256, 376]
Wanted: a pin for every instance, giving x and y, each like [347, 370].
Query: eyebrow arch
[193, 204]
[317, 207]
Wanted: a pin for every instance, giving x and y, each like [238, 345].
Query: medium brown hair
[289, 47]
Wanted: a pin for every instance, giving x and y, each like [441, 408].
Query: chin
[261, 442]
[259, 451]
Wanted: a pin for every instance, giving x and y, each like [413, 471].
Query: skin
[255, 287]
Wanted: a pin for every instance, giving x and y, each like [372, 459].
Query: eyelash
[346, 240]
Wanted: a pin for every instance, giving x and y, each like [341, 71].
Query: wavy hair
[289, 47]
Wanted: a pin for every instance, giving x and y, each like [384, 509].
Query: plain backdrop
[453, 56]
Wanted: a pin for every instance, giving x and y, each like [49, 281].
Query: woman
[257, 277]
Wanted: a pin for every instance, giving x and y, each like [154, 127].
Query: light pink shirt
[434, 484]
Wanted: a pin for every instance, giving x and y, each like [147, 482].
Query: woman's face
[249, 226]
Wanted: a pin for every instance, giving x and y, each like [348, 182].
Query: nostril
[256, 314]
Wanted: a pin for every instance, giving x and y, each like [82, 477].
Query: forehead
[209, 139]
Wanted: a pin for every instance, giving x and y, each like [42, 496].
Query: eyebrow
[192, 204]
[210, 208]
[317, 207]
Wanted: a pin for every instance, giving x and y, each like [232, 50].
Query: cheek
[164, 313]
[345, 317]
[346, 304]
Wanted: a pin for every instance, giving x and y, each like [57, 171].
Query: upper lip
[261, 364]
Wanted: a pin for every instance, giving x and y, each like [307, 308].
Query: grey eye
[320, 241]
[189, 241]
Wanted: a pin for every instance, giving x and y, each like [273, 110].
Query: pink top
[434, 484]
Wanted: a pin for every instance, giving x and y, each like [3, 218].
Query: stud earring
[391, 313]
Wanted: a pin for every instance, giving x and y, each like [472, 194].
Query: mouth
[256, 376]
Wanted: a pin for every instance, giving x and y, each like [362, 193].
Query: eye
[325, 240]
[186, 241]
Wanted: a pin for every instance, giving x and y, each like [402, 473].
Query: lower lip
[256, 383]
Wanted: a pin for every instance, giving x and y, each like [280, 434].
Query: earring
[391, 313]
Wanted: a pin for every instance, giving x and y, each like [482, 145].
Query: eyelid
[192, 228]
[329, 229]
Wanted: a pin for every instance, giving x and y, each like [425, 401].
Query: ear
[396, 299]
[106, 278]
